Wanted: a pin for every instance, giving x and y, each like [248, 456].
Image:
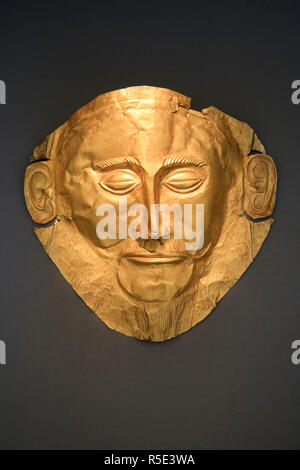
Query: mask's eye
[119, 181]
[184, 180]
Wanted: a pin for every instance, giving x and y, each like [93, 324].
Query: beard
[147, 320]
[94, 277]
[151, 321]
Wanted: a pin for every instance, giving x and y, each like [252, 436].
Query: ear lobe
[260, 180]
[40, 192]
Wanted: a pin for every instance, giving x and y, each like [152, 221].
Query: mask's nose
[155, 229]
[151, 245]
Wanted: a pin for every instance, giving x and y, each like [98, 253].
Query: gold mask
[146, 143]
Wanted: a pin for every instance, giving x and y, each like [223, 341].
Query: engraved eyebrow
[103, 165]
[175, 160]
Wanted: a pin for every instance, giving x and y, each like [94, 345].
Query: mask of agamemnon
[146, 143]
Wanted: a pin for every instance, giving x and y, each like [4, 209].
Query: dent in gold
[146, 143]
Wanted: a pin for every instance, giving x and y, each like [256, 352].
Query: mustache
[155, 247]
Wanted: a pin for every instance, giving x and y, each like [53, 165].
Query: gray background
[70, 382]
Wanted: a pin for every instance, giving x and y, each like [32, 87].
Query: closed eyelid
[119, 181]
[184, 179]
[176, 163]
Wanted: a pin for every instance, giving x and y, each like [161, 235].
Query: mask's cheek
[96, 211]
[215, 206]
[203, 213]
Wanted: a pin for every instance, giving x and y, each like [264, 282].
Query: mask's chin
[154, 278]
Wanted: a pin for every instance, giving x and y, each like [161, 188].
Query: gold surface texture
[146, 143]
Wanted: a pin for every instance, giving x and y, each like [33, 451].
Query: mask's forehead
[148, 133]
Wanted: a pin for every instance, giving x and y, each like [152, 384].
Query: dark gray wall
[69, 381]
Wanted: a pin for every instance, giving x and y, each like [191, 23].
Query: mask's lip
[157, 258]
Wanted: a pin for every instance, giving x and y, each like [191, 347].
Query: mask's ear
[260, 179]
[39, 191]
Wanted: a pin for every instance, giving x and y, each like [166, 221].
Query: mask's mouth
[154, 277]
[170, 258]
